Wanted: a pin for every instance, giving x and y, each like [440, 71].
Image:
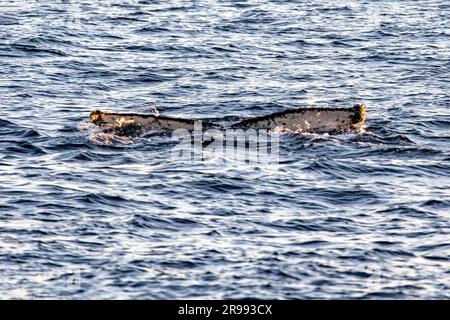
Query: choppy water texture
[354, 216]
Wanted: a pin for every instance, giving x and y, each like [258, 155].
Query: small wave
[109, 139]
[25, 147]
[173, 224]
[149, 77]
[98, 137]
[19, 139]
[36, 45]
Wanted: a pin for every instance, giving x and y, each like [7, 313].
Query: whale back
[316, 120]
[311, 120]
[142, 122]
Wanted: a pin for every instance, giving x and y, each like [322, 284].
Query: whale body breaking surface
[304, 120]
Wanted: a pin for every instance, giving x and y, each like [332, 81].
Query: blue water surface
[363, 215]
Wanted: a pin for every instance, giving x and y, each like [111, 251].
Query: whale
[300, 120]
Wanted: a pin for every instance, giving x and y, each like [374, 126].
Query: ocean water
[363, 215]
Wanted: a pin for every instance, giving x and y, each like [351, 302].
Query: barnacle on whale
[96, 116]
[360, 114]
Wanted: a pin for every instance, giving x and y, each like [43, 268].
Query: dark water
[353, 216]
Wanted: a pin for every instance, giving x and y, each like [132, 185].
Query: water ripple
[361, 215]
